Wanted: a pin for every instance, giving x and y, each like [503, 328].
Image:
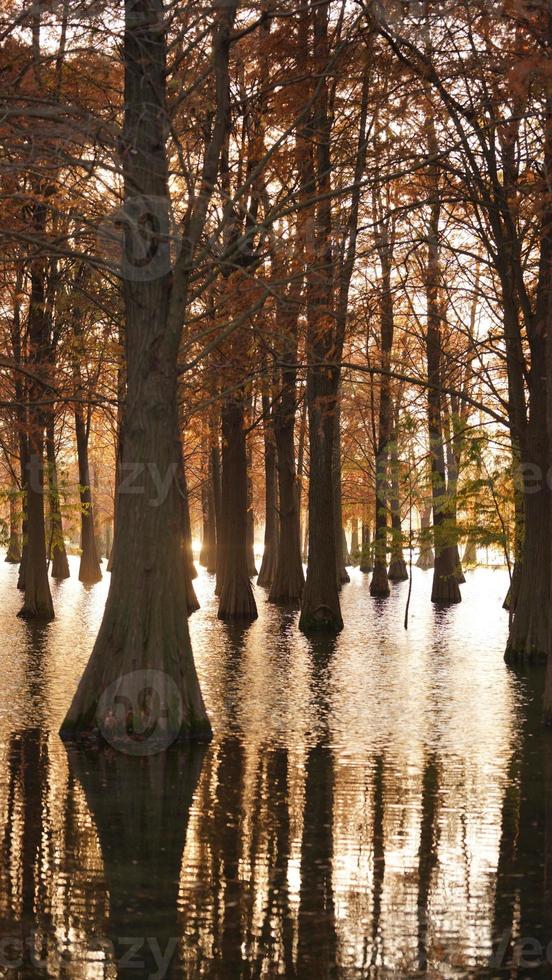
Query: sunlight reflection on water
[357, 814]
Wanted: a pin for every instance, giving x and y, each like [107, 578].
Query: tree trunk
[190, 570]
[13, 554]
[355, 550]
[379, 586]
[204, 526]
[341, 554]
[528, 638]
[530, 629]
[320, 609]
[23, 456]
[209, 546]
[320, 606]
[251, 563]
[37, 602]
[236, 595]
[445, 588]
[426, 558]
[397, 566]
[270, 552]
[140, 686]
[89, 569]
[453, 440]
[289, 579]
[58, 554]
[469, 559]
[366, 564]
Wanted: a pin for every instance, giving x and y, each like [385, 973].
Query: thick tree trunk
[528, 638]
[320, 608]
[270, 552]
[37, 603]
[289, 579]
[529, 627]
[89, 569]
[236, 595]
[469, 559]
[13, 554]
[445, 588]
[58, 554]
[140, 687]
[426, 558]
[366, 564]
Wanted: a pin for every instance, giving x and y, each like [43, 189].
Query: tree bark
[144, 632]
[340, 541]
[469, 558]
[366, 564]
[89, 568]
[251, 563]
[57, 552]
[13, 554]
[379, 586]
[397, 571]
[320, 609]
[355, 549]
[236, 595]
[209, 546]
[289, 580]
[426, 558]
[445, 588]
[270, 552]
[37, 602]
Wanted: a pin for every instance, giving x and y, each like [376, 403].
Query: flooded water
[377, 806]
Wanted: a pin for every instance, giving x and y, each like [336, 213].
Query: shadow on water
[374, 805]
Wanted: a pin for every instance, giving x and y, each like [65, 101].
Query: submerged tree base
[397, 570]
[135, 743]
[237, 602]
[39, 613]
[379, 586]
[321, 620]
[446, 590]
[519, 656]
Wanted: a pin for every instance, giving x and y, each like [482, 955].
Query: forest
[276, 287]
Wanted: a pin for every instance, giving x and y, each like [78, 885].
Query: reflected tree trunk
[317, 938]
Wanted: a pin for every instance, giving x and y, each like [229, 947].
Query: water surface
[376, 806]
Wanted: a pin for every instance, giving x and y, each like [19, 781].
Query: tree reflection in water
[367, 809]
